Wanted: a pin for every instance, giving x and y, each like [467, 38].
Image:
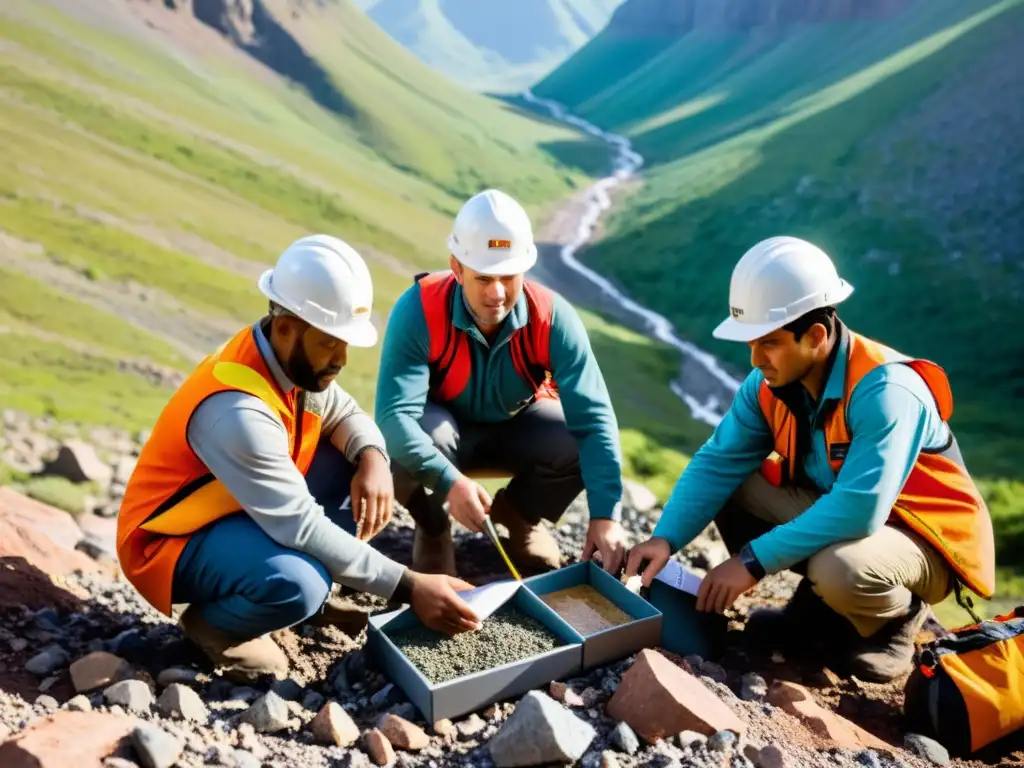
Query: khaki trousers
[869, 581]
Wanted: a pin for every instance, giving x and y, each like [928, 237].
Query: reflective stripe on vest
[450, 361]
[939, 500]
[172, 493]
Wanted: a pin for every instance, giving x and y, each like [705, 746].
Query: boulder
[540, 731]
[658, 699]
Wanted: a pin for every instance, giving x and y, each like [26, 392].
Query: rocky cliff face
[678, 17]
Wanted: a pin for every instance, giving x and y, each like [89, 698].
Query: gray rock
[722, 741]
[47, 660]
[610, 684]
[181, 675]
[179, 700]
[624, 738]
[540, 731]
[267, 714]
[155, 747]
[927, 748]
[47, 702]
[869, 758]
[714, 671]
[79, 703]
[133, 695]
[753, 687]
[771, 757]
[381, 697]
[688, 738]
[313, 701]
[287, 689]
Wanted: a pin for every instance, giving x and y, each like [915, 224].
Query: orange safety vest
[172, 493]
[450, 359]
[939, 500]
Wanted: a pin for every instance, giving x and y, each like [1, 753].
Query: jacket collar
[260, 329]
[463, 319]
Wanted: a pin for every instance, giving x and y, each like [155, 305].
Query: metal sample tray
[471, 693]
[615, 642]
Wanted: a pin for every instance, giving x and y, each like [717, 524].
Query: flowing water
[705, 387]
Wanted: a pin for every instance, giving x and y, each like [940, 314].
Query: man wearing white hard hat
[263, 479]
[836, 461]
[486, 373]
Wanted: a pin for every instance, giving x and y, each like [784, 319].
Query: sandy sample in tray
[586, 609]
[507, 636]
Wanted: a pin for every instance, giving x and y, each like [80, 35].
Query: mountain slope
[492, 46]
[892, 141]
[152, 164]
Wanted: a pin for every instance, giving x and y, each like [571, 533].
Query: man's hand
[373, 494]
[434, 601]
[468, 502]
[608, 538]
[723, 584]
[656, 551]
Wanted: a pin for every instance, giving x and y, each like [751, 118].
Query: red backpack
[450, 360]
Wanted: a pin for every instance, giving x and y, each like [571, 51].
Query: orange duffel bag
[967, 690]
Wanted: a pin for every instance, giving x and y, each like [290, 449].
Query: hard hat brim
[359, 332]
[731, 329]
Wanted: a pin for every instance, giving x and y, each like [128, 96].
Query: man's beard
[301, 372]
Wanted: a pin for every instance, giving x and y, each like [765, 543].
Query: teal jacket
[495, 392]
[892, 416]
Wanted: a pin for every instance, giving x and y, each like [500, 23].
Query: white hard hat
[775, 282]
[492, 235]
[325, 282]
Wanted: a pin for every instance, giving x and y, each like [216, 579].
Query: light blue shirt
[892, 416]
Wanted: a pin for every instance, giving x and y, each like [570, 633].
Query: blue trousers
[247, 584]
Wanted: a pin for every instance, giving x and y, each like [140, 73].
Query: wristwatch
[750, 561]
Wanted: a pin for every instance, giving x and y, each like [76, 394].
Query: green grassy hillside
[499, 47]
[892, 144]
[150, 169]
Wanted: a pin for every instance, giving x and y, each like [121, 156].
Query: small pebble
[722, 741]
[79, 703]
[927, 748]
[46, 702]
[869, 758]
[625, 739]
[155, 747]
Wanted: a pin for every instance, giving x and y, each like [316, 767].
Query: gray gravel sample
[507, 636]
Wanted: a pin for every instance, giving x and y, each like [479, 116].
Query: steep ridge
[492, 46]
[889, 142]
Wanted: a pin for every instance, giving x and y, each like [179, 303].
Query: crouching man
[486, 372]
[259, 471]
[835, 460]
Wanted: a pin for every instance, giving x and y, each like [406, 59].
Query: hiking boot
[434, 554]
[241, 661]
[804, 618]
[342, 613]
[889, 653]
[530, 546]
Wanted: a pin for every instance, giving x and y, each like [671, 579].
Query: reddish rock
[66, 738]
[380, 749]
[658, 699]
[403, 734]
[445, 728]
[332, 725]
[43, 535]
[797, 701]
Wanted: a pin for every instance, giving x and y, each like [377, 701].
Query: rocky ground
[91, 675]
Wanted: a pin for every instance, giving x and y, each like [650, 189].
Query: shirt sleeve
[246, 447]
[402, 385]
[891, 421]
[588, 411]
[736, 448]
[351, 429]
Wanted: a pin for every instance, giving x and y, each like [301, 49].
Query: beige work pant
[869, 580]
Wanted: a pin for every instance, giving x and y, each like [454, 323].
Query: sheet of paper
[678, 577]
[489, 598]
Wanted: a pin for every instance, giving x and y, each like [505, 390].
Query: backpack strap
[531, 345]
[449, 358]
